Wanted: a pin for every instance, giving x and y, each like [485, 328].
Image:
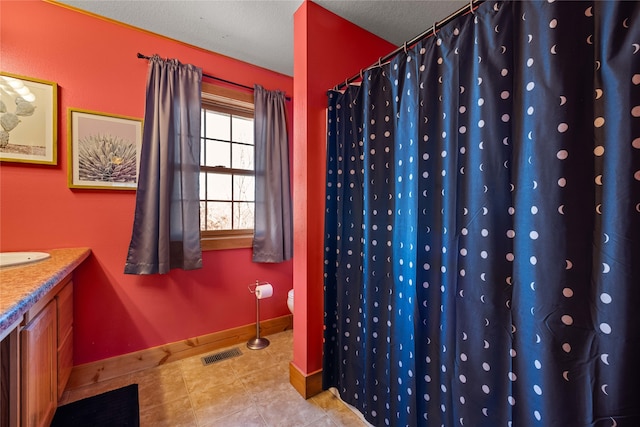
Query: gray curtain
[273, 235]
[166, 227]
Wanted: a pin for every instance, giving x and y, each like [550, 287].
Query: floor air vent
[223, 355]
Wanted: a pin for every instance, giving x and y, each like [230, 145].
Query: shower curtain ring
[434, 28]
[471, 7]
[380, 61]
[346, 83]
[361, 76]
[405, 47]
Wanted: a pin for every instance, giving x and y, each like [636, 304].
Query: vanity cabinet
[46, 355]
[39, 371]
[36, 336]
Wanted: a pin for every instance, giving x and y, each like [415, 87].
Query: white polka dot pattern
[483, 223]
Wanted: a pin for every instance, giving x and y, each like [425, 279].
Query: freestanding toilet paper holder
[257, 343]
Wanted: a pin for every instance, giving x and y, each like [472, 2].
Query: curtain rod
[473, 4]
[141, 56]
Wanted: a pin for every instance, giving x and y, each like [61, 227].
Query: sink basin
[9, 259]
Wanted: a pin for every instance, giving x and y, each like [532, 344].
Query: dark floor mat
[114, 408]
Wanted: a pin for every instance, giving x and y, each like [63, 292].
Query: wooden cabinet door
[39, 368]
[10, 379]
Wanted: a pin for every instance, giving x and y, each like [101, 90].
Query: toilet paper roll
[264, 291]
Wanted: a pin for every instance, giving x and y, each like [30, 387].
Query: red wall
[94, 63]
[327, 50]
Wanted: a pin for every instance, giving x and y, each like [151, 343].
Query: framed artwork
[28, 119]
[104, 150]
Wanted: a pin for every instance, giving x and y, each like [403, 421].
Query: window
[227, 198]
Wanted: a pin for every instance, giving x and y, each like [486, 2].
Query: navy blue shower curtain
[482, 259]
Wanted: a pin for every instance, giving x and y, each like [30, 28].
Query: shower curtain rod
[473, 4]
[141, 56]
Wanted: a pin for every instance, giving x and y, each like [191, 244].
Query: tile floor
[249, 390]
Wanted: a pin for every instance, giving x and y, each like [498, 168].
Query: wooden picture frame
[28, 119]
[103, 150]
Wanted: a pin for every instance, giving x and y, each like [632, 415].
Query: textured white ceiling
[261, 32]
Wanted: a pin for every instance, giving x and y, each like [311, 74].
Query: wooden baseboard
[307, 385]
[91, 373]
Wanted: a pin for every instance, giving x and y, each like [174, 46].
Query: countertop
[22, 286]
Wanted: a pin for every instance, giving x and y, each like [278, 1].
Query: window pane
[217, 153]
[218, 186]
[219, 215]
[203, 216]
[242, 156]
[227, 200]
[217, 125]
[242, 129]
[203, 186]
[243, 215]
[243, 188]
